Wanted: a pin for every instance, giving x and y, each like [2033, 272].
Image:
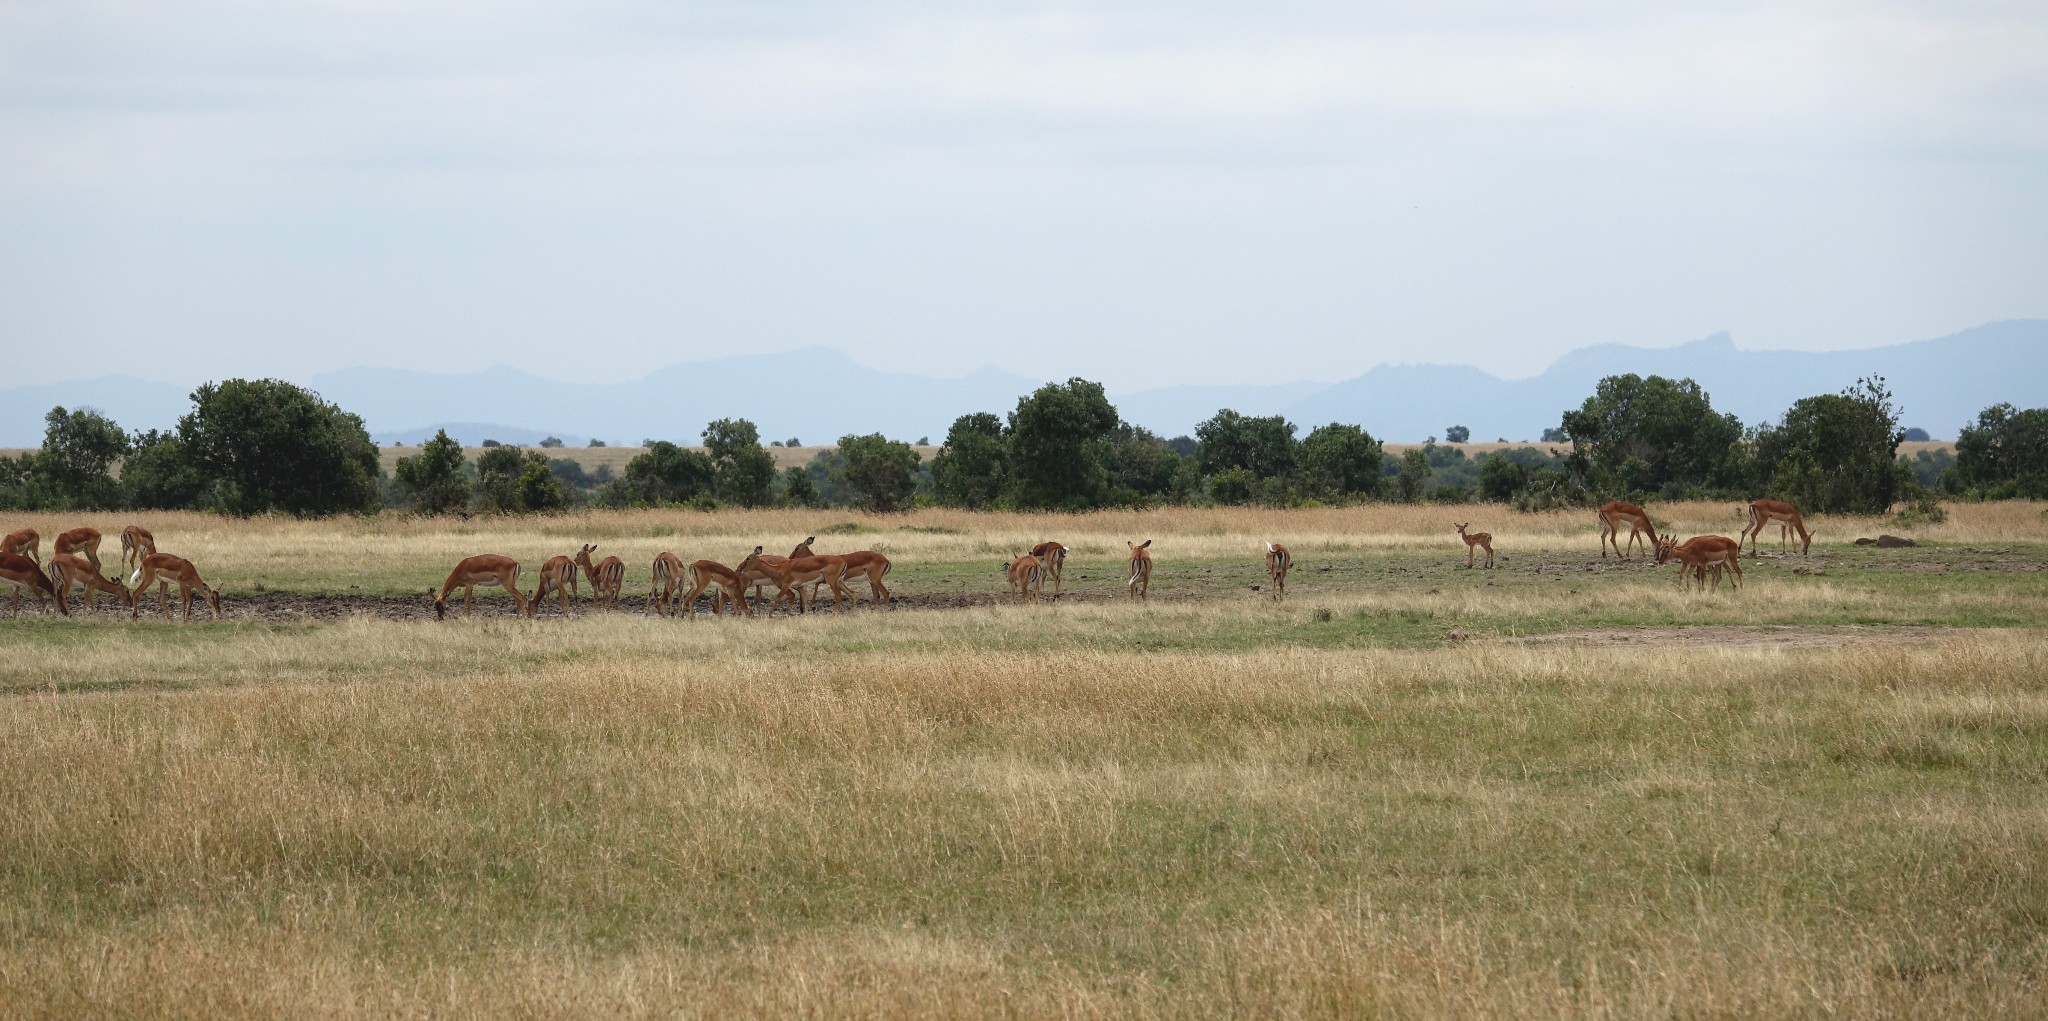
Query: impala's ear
[1147, 544]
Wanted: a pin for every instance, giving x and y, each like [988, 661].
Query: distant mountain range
[1939, 384]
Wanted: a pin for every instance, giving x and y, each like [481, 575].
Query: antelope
[605, 578]
[1026, 573]
[1476, 541]
[85, 540]
[706, 573]
[801, 571]
[26, 539]
[23, 573]
[1054, 556]
[1141, 570]
[868, 563]
[1615, 514]
[1278, 560]
[136, 543]
[484, 569]
[1701, 552]
[68, 571]
[668, 577]
[163, 569]
[558, 575]
[759, 578]
[1763, 512]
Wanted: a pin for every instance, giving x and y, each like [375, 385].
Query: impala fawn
[1474, 542]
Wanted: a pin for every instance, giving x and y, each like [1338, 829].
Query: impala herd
[800, 578]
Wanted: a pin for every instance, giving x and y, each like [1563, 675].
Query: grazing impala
[23, 543]
[136, 543]
[1698, 554]
[1278, 561]
[1763, 512]
[79, 540]
[69, 571]
[1141, 570]
[1476, 541]
[793, 574]
[1054, 556]
[558, 575]
[1026, 574]
[161, 569]
[707, 573]
[605, 577]
[756, 578]
[485, 569]
[865, 563]
[1615, 514]
[23, 573]
[668, 577]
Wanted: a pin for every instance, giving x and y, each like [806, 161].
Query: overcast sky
[1144, 193]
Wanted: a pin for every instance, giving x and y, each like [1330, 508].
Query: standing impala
[605, 578]
[22, 573]
[798, 572]
[558, 575]
[1278, 561]
[1698, 554]
[484, 569]
[1026, 574]
[136, 543]
[79, 540]
[1615, 514]
[69, 571]
[1141, 570]
[162, 569]
[23, 543]
[1476, 541]
[668, 577]
[707, 573]
[865, 563]
[1054, 556]
[1763, 512]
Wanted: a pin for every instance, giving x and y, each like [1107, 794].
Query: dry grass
[618, 819]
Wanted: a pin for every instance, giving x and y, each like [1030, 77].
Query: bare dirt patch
[1739, 636]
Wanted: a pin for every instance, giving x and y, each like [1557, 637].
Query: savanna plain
[1558, 788]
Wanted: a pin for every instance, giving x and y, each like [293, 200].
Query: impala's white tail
[137, 576]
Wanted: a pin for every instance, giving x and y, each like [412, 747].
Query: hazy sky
[1145, 192]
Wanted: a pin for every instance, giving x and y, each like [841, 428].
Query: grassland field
[1560, 788]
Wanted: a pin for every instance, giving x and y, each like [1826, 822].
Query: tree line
[266, 446]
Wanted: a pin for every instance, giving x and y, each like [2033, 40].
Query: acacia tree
[1837, 453]
[2004, 454]
[970, 468]
[1338, 460]
[159, 473]
[881, 473]
[268, 445]
[1639, 435]
[77, 460]
[666, 473]
[1263, 446]
[1060, 437]
[745, 473]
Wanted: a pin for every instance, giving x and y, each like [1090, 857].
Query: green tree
[19, 485]
[1338, 460]
[797, 488]
[880, 473]
[1413, 481]
[1837, 453]
[665, 474]
[970, 470]
[1501, 477]
[1637, 436]
[432, 482]
[745, 473]
[77, 460]
[1059, 446]
[2005, 454]
[1263, 446]
[160, 474]
[267, 445]
[1142, 468]
[539, 490]
[497, 479]
[1457, 434]
[1232, 486]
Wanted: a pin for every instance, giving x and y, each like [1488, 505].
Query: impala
[558, 575]
[706, 573]
[136, 543]
[668, 577]
[68, 571]
[865, 563]
[1699, 553]
[1026, 573]
[485, 569]
[1054, 556]
[1616, 514]
[1278, 560]
[1476, 541]
[23, 573]
[1141, 570]
[756, 579]
[161, 569]
[85, 540]
[798, 572]
[1763, 512]
[24, 540]
[605, 577]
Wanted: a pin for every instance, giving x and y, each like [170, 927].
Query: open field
[1561, 788]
